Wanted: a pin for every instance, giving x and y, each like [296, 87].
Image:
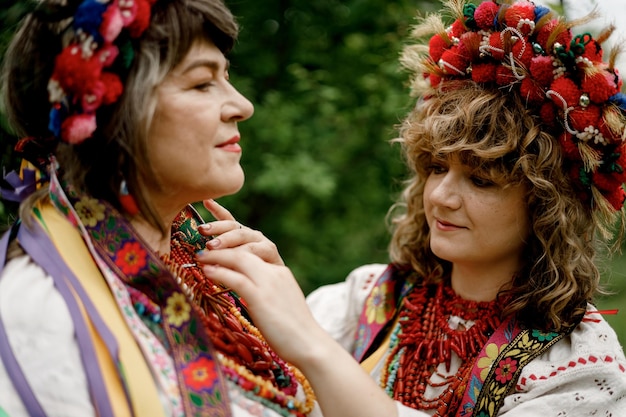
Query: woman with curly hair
[517, 155]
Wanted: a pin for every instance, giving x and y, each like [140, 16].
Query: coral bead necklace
[423, 339]
[245, 357]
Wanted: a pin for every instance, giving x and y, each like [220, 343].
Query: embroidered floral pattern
[197, 373]
[177, 309]
[544, 337]
[379, 304]
[381, 300]
[526, 346]
[90, 211]
[492, 351]
[151, 345]
[131, 258]
[505, 370]
[363, 335]
[114, 241]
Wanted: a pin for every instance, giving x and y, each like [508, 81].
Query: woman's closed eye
[481, 181]
[205, 86]
[437, 169]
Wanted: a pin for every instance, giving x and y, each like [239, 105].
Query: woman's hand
[277, 306]
[229, 233]
[275, 300]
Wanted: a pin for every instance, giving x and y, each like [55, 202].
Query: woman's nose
[238, 107]
[446, 192]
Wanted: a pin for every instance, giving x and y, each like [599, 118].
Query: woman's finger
[228, 277]
[229, 234]
[217, 210]
[238, 260]
[275, 300]
[219, 227]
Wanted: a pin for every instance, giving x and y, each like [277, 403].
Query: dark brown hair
[117, 149]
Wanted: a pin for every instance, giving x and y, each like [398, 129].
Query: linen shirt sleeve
[337, 307]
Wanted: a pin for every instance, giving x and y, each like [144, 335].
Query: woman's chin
[233, 188]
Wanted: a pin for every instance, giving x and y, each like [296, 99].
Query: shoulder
[358, 284]
[354, 289]
[584, 372]
[26, 291]
[31, 308]
[337, 307]
[593, 346]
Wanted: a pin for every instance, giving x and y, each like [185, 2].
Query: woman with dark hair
[128, 117]
[517, 159]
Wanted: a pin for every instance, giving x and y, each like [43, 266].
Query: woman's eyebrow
[208, 63]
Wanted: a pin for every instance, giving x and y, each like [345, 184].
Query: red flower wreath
[525, 48]
[81, 81]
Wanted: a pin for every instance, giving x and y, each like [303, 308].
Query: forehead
[202, 54]
[499, 169]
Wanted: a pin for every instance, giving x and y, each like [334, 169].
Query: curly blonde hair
[493, 128]
[490, 129]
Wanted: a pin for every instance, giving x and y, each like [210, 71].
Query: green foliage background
[321, 172]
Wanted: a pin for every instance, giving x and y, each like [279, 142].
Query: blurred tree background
[321, 173]
[328, 94]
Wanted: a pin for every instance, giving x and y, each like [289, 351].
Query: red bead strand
[426, 340]
[245, 356]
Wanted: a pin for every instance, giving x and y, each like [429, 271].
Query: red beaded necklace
[424, 340]
[246, 357]
[226, 331]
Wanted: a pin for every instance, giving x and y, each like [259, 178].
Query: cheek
[428, 189]
[517, 222]
[523, 226]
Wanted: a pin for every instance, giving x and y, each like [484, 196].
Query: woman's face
[193, 142]
[473, 221]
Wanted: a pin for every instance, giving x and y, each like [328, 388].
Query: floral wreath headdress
[87, 72]
[526, 49]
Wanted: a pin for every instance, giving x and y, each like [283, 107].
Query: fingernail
[200, 252]
[205, 227]
[214, 243]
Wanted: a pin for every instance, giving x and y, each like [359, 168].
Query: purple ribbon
[21, 187]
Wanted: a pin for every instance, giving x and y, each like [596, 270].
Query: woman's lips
[231, 145]
[446, 226]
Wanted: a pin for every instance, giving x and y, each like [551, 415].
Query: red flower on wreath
[131, 258]
[200, 374]
[505, 370]
[527, 49]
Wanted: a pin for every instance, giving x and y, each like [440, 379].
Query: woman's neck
[155, 239]
[479, 284]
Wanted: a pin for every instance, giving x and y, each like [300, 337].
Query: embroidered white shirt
[582, 375]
